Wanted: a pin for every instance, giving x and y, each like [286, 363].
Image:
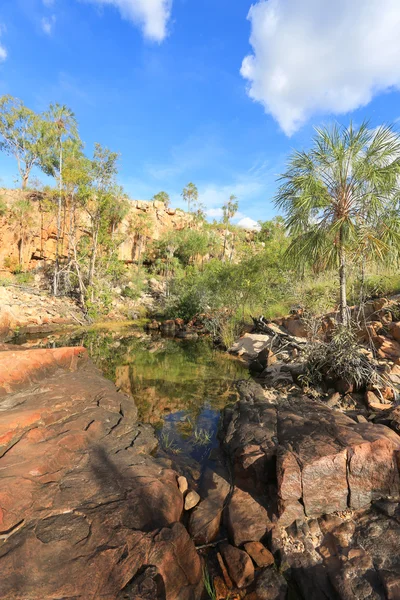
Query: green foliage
[340, 197]
[24, 278]
[190, 195]
[3, 207]
[5, 281]
[340, 359]
[24, 135]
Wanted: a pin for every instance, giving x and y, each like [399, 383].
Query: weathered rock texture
[84, 511]
[320, 460]
[35, 311]
[40, 242]
[331, 488]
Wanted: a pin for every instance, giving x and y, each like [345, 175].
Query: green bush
[24, 278]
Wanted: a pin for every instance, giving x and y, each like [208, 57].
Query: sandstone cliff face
[39, 229]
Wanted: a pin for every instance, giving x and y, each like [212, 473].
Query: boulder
[260, 554]
[246, 519]
[239, 565]
[182, 484]
[296, 326]
[394, 330]
[387, 349]
[205, 520]
[322, 460]
[250, 345]
[192, 498]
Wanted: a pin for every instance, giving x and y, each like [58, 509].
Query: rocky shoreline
[302, 500]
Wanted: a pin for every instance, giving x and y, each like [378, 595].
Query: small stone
[373, 402]
[191, 500]
[333, 400]
[239, 564]
[361, 419]
[182, 484]
[260, 554]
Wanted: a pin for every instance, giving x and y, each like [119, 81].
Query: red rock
[296, 327]
[394, 329]
[205, 520]
[373, 402]
[387, 348]
[239, 565]
[25, 367]
[83, 509]
[247, 520]
[260, 554]
[227, 579]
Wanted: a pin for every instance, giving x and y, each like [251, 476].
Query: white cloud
[151, 15]
[48, 24]
[3, 53]
[319, 56]
[248, 223]
[214, 212]
[49, 3]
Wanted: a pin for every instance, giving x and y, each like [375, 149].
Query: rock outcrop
[40, 241]
[327, 489]
[85, 511]
[320, 460]
[35, 311]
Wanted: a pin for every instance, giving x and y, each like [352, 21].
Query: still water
[179, 386]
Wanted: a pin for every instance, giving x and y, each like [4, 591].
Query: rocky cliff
[39, 229]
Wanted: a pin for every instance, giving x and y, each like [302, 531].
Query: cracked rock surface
[85, 511]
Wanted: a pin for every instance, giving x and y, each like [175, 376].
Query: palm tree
[190, 195]
[64, 123]
[334, 194]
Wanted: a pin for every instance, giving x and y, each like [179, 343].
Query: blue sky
[164, 83]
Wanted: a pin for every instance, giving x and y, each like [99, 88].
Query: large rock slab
[320, 460]
[83, 507]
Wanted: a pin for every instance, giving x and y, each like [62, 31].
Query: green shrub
[340, 359]
[24, 278]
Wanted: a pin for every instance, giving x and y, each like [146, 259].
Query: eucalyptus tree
[190, 195]
[101, 198]
[24, 135]
[334, 195]
[63, 125]
[229, 210]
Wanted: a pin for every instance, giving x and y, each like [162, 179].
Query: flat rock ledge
[85, 511]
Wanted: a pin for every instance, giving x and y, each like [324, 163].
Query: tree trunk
[57, 263]
[25, 179]
[342, 278]
[93, 256]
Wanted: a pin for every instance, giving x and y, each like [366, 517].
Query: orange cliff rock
[40, 241]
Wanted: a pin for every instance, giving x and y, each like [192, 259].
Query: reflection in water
[179, 386]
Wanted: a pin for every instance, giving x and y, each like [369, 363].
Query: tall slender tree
[229, 210]
[64, 126]
[336, 192]
[190, 195]
[24, 135]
